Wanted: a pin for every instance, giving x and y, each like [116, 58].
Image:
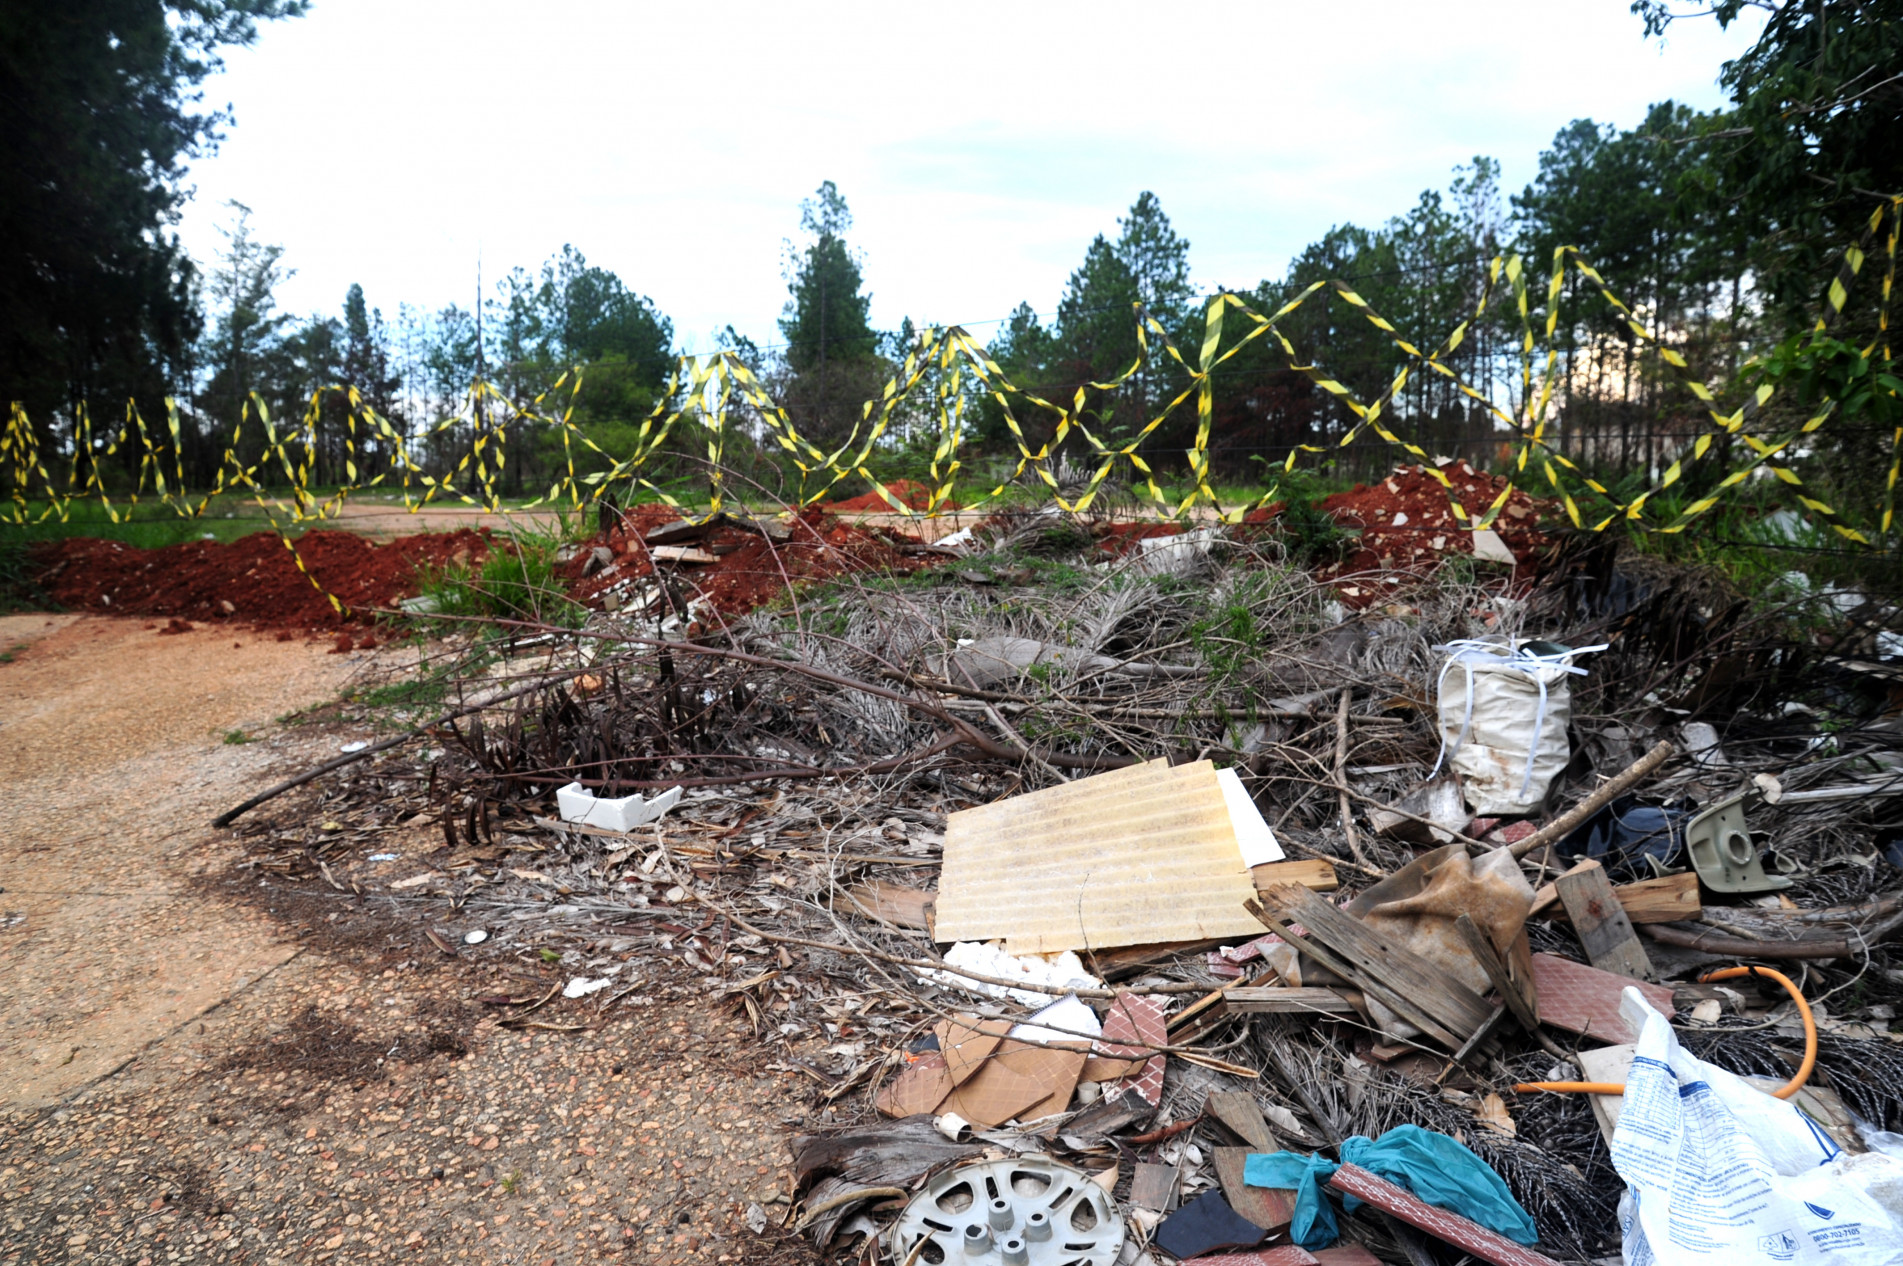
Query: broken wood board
[1515, 991]
[1280, 999]
[1237, 1110]
[680, 554]
[1667, 899]
[1463, 1233]
[1153, 1187]
[1601, 922]
[900, 905]
[1585, 1000]
[1267, 1207]
[1314, 874]
[1136, 856]
[1121, 964]
[1400, 979]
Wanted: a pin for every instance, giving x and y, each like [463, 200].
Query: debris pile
[652, 560]
[1163, 907]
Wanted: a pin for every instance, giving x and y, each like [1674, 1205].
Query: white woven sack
[1503, 719]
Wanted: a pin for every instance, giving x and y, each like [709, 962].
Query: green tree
[238, 355]
[831, 359]
[1815, 138]
[99, 112]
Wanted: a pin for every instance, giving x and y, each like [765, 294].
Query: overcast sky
[980, 145]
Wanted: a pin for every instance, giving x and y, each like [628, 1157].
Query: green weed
[235, 737]
[515, 582]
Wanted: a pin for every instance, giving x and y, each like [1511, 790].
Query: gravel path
[199, 1065]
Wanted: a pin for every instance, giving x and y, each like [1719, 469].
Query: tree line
[1719, 229]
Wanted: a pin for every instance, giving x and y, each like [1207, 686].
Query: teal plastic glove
[1436, 1168]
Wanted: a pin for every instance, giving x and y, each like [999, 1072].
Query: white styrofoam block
[577, 805]
[1253, 836]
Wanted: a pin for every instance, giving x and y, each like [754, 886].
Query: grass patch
[516, 582]
[146, 525]
[235, 738]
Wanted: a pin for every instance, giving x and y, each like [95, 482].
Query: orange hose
[1788, 1089]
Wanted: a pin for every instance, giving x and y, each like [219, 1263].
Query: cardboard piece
[1017, 1081]
[1267, 1207]
[994, 1096]
[920, 1088]
[1135, 856]
[1585, 1000]
[1205, 1225]
[967, 1042]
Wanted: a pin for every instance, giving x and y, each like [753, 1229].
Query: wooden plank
[900, 905]
[1314, 874]
[1153, 1187]
[1667, 899]
[1464, 1233]
[1267, 1207]
[1490, 962]
[1423, 987]
[1281, 1000]
[1311, 947]
[1237, 1109]
[1601, 922]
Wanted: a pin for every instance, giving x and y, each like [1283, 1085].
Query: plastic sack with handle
[1718, 1173]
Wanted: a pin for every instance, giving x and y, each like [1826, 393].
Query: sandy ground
[197, 1064]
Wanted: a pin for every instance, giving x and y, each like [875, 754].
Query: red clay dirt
[252, 580]
[1407, 525]
[910, 493]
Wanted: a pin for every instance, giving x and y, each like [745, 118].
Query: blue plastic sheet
[1436, 1168]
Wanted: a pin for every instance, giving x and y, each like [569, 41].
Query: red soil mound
[907, 492]
[748, 570]
[252, 580]
[1407, 525]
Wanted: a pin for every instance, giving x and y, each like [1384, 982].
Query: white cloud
[980, 146]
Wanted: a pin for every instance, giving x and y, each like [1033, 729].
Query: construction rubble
[1128, 904]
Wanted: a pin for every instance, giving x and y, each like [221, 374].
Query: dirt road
[199, 1064]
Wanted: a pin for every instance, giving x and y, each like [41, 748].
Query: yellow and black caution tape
[718, 397]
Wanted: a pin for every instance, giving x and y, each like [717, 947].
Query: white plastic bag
[1503, 717]
[1718, 1173]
